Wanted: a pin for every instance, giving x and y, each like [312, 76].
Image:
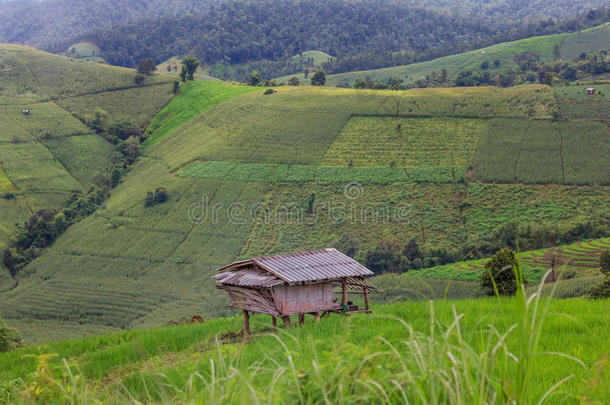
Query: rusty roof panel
[249, 277]
[325, 264]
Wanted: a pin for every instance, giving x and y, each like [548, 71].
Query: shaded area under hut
[295, 284]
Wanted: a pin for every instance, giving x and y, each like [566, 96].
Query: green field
[530, 151]
[298, 125]
[571, 45]
[429, 351]
[409, 142]
[138, 103]
[195, 97]
[254, 161]
[46, 152]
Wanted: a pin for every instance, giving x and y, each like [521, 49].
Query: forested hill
[361, 34]
[245, 30]
[42, 23]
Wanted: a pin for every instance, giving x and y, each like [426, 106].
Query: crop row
[390, 141]
[265, 172]
[572, 152]
[298, 125]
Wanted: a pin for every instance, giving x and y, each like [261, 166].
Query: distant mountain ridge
[361, 34]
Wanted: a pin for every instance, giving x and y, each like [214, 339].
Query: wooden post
[274, 323]
[316, 315]
[286, 320]
[246, 326]
[366, 298]
[344, 292]
[301, 319]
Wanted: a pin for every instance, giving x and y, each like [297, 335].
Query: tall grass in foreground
[443, 364]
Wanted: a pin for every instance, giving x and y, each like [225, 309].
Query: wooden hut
[295, 284]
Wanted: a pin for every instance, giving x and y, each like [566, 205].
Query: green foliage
[592, 40]
[195, 98]
[602, 290]
[255, 79]
[502, 275]
[157, 364]
[294, 81]
[604, 262]
[10, 338]
[158, 197]
[319, 78]
[191, 63]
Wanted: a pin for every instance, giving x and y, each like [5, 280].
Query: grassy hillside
[46, 153]
[431, 352]
[249, 174]
[571, 46]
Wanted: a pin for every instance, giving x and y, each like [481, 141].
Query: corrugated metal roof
[325, 264]
[317, 265]
[248, 277]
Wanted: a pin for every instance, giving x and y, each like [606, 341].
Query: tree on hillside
[146, 66]
[500, 275]
[191, 64]
[294, 81]
[319, 78]
[183, 73]
[255, 78]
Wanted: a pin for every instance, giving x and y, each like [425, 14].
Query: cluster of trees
[265, 34]
[158, 197]
[41, 230]
[391, 257]
[531, 69]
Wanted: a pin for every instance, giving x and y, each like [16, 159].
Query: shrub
[500, 275]
[602, 290]
[319, 78]
[10, 338]
[139, 79]
[269, 91]
[149, 200]
[161, 195]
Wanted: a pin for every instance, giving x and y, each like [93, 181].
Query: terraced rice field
[406, 142]
[533, 151]
[581, 257]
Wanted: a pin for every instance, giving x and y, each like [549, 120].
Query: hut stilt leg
[367, 305]
[246, 326]
[274, 323]
[343, 293]
[286, 320]
[316, 315]
[301, 319]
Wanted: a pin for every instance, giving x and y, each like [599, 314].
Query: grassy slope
[156, 363]
[589, 41]
[48, 154]
[148, 265]
[194, 98]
